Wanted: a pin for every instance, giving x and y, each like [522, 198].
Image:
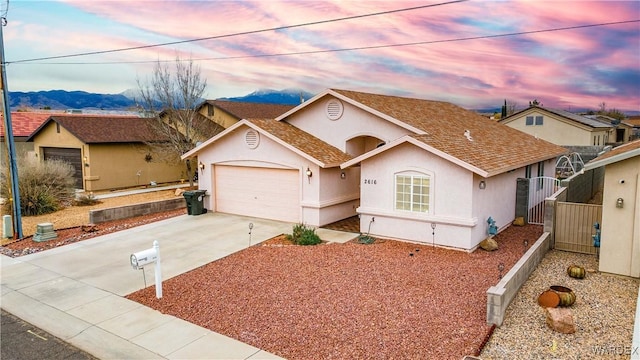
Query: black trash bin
[195, 202]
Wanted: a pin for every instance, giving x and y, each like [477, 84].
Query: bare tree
[171, 97]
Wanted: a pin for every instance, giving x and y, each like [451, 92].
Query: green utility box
[195, 202]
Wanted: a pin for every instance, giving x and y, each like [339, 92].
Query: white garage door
[259, 192]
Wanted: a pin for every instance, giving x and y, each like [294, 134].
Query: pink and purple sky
[568, 69]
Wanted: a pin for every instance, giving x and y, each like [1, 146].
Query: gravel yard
[386, 300]
[604, 314]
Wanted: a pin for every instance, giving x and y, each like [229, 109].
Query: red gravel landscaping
[387, 300]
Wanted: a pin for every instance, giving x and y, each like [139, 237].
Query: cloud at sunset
[576, 68]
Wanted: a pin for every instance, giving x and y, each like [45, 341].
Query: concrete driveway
[75, 292]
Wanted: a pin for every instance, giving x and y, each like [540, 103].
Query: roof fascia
[247, 123]
[613, 159]
[420, 144]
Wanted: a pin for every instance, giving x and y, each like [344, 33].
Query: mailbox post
[149, 256]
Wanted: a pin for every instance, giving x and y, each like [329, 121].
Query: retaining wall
[499, 296]
[123, 212]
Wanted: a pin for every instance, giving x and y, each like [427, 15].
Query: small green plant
[365, 239]
[303, 235]
[86, 200]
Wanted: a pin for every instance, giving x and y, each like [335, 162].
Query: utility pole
[8, 135]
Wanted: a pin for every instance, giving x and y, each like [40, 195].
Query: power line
[239, 33]
[310, 52]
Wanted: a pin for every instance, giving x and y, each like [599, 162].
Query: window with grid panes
[412, 192]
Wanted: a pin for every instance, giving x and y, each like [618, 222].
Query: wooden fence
[574, 226]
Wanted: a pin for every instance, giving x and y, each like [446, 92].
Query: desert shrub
[303, 235]
[44, 187]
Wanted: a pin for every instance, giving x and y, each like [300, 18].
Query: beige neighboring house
[620, 236]
[561, 127]
[622, 130]
[23, 123]
[226, 113]
[401, 164]
[107, 152]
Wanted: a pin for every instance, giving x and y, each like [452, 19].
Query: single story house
[107, 152]
[403, 165]
[226, 113]
[561, 127]
[622, 130]
[620, 228]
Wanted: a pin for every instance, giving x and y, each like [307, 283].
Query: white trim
[330, 202]
[612, 159]
[421, 217]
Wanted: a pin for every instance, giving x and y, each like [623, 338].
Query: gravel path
[604, 314]
[387, 300]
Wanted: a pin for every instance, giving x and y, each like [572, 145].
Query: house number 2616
[370, 181]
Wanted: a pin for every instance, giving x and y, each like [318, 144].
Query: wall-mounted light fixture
[620, 203]
[343, 175]
[86, 163]
[201, 166]
[482, 185]
[309, 174]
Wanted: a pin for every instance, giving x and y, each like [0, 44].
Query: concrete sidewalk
[75, 292]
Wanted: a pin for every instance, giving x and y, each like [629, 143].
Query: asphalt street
[20, 340]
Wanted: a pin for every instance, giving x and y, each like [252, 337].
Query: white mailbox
[144, 257]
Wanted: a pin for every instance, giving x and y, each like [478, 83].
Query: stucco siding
[451, 206]
[620, 244]
[113, 166]
[553, 130]
[354, 122]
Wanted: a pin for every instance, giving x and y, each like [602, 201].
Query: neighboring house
[620, 236]
[401, 164]
[621, 132]
[561, 127]
[634, 121]
[226, 113]
[107, 152]
[23, 123]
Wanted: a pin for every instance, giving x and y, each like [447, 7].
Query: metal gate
[540, 188]
[574, 226]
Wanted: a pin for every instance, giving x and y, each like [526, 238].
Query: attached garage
[270, 193]
[70, 155]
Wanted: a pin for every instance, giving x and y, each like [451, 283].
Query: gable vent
[334, 109]
[252, 139]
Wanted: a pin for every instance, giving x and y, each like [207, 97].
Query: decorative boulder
[489, 244]
[519, 221]
[560, 320]
[89, 228]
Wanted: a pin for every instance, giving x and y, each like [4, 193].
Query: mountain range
[65, 100]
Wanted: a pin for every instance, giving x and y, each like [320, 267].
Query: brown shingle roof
[303, 141]
[247, 110]
[495, 148]
[107, 129]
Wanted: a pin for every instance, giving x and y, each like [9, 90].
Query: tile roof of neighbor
[303, 141]
[618, 153]
[24, 123]
[105, 129]
[495, 148]
[247, 110]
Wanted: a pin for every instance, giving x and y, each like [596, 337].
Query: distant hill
[269, 96]
[65, 100]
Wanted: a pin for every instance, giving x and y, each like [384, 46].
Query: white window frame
[414, 206]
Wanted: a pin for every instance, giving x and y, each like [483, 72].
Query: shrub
[303, 235]
[44, 187]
